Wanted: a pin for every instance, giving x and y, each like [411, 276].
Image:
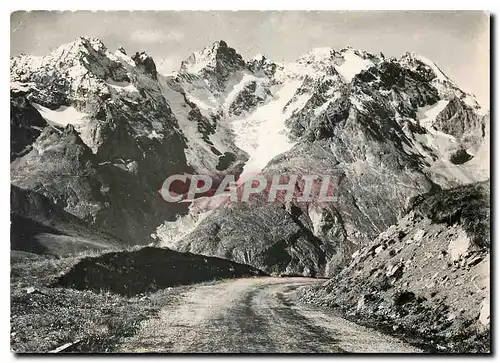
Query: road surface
[254, 315]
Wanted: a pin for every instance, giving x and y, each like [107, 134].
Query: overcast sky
[458, 42]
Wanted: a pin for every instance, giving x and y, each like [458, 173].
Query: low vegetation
[53, 307]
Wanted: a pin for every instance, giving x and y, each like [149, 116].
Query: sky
[457, 41]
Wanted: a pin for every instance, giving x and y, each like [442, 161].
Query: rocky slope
[266, 236]
[38, 226]
[426, 277]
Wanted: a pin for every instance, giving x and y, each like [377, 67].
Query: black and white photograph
[244, 182]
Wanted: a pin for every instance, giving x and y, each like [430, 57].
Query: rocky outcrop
[63, 168]
[26, 124]
[147, 270]
[260, 63]
[425, 278]
[146, 64]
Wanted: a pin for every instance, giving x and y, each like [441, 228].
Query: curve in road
[254, 315]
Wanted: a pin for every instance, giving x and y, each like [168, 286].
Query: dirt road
[254, 315]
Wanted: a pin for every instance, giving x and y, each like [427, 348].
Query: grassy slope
[44, 317]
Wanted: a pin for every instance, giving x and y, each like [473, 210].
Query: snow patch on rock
[122, 86]
[63, 116]
[427, 114]
[484, 316]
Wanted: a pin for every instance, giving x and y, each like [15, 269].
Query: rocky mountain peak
[261, 63]
[145, 62]
[219, 44]
[85, 58]
[94, 43]
[428, 71]
[216, 57]
[259, 58]
[78, 50]
[122, 50]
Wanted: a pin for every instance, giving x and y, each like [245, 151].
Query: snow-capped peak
[218, 54]
[345, 63]
[362, 53]
[72, 58]
[259, 57]
[446, 87]
[204, 58]
[354, 61]
[81, 45]
[325, 54]
[413, 61]
[123, 57]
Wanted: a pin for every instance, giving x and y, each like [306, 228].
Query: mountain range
[96, 132]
